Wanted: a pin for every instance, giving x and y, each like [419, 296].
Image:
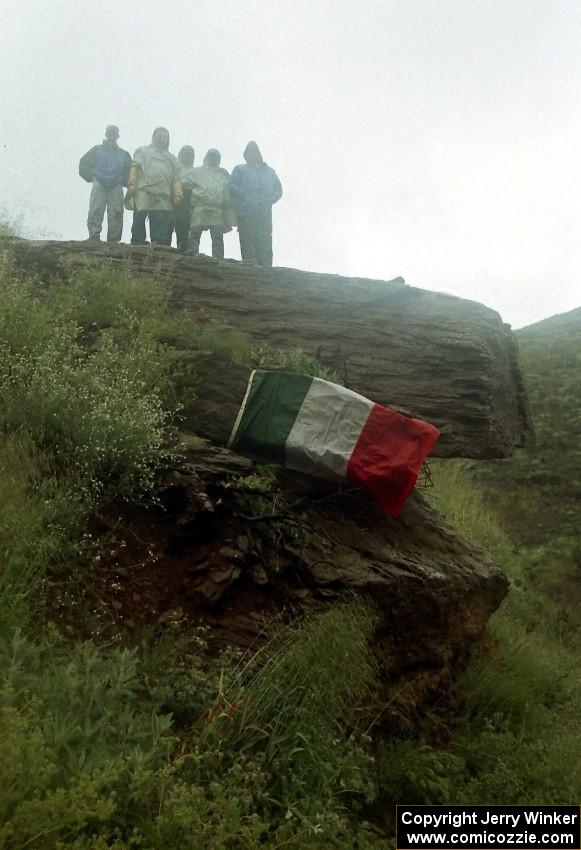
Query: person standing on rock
[180, 218]
[255, 188]
[153, 188]
[106, 166]
[211, 204]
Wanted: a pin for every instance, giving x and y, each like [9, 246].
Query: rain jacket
[187, 176]
[157, 170]
[254, 188]
[211, 201]
[107, 163]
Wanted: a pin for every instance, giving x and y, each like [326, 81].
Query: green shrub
[486, 762]
[74, 738]
[81, 419]
[86, 702]
[528, 673]
[100, 413]
[414, 773]
[504, 765]
[261, 355]
[101, 297]
[177, 677]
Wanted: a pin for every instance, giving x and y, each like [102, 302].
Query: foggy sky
[439, 140]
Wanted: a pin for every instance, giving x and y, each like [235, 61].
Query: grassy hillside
[515, 723]
[551, 361]
[540, 489]
[142, 743]
[527, 512]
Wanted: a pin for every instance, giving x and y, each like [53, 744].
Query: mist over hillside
[540, 488]
[561, 322]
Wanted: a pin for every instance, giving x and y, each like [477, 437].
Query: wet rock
[445, 359]
[258, 574]
[433, 589]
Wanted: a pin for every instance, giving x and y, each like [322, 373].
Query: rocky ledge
[450, 361]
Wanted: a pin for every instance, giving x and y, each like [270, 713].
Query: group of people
[173, 195]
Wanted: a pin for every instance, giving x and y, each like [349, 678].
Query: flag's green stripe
[272, 406]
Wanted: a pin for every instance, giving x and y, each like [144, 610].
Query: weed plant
[263, 356]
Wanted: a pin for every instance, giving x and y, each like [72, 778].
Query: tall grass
[511, 724]
[42, 514]
[533, 668]
[467, 508]
[301, 704]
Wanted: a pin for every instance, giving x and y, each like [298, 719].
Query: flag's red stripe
[389, 454]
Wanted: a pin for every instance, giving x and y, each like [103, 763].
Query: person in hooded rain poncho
[255, 187]
[106, 166]
[154, 187]
[180, 219]
[211, 204]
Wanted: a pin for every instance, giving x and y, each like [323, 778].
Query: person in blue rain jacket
[254, 188]
[106, 166]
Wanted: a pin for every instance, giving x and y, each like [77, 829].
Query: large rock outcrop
[442, 358]
[220, 551]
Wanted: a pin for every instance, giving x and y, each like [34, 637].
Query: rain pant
[158, 227]
[180, 218]
[108, 198]
[217, 236]
[255, 234]
[255, 187]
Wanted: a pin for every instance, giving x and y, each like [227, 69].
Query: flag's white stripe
[242, 407]
[326, 430]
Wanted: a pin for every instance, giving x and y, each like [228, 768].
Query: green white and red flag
[327, 431]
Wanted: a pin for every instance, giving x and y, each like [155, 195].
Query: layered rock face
[220, 560]
[442, 358]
